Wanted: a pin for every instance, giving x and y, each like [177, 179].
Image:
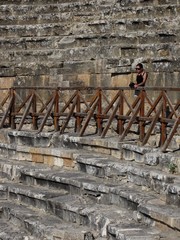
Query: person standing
[141, 78]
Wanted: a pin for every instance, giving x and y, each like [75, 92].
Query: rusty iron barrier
[39, 107]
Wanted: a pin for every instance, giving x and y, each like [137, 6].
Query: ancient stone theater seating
[88, 43]
[76, 189]
[71, 188]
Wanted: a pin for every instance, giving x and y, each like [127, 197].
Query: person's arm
[145, 76]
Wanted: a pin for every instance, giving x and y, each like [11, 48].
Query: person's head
[139, 67]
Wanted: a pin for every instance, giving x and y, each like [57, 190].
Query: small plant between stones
[172, 168]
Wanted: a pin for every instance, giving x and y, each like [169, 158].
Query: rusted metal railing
[59, 107]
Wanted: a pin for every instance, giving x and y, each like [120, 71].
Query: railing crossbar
[105, 107]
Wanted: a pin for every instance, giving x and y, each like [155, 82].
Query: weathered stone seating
[112, 198]
[36, 35]
[71, 188]
[22, 222]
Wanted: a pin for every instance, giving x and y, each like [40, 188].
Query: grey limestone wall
[88, 43]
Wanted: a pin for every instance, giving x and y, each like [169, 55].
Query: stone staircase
[79, 190]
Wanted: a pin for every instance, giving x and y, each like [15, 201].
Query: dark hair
[140, 65]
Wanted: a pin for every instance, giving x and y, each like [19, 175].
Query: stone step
[76, 209]
[146, 176]
[24, 222]
[131, 232]
[152, 10]
[11, 169]
[68, 14]
[136, 233]
[38, 2]
[127, 150]
[93, 27]
[58, 6]
[149, 156]
[98, 165]
[140, 161]
[33, 29]
[159, 211]
[96, 188]
[59, 42]
[131, 11]
[64, 54]
[52, 53]
[101, 191]
[9, 231]
[28, 193]
[123, 3]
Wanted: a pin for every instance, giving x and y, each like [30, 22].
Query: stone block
[4, 150]
[134, 152]
[67, 162]
[66, 153]
[84, 79]
[113, 143]
[151, 159]
[173, 198]
[138, 157]
[121, 80]
[98, 142]
[102, 150]
[37, 158]
[162, 213]
[127, 155]
[24, 156]
[138, 180]
[88, 148]
[6, 82]
[92, 170]
[58, 162]
[116, 154]
[136, 148]
[49, 160]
